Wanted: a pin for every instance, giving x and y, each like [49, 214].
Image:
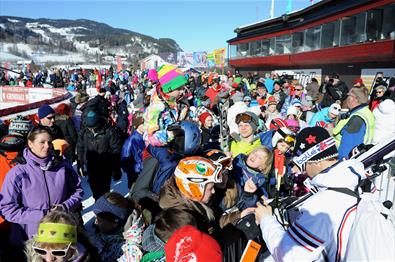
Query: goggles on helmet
[245, 118]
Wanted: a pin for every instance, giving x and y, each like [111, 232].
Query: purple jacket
[31, 189]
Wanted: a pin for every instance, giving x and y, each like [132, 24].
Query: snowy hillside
[74, 41]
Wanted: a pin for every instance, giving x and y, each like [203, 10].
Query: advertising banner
[370, 75]
[185, 59]
[200, 59]
[210, 59]
[303, 76]
[15, 94]
[169, 57]
[220, 55]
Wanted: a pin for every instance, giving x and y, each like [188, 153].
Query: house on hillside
[151, 61]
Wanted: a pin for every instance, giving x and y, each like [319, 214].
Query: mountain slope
[74, 41]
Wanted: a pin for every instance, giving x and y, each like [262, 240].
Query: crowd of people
[203, 153]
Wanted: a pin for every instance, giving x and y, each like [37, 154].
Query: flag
[289, 7]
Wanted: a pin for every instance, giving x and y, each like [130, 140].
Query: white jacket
[385, 120]
[321, 229]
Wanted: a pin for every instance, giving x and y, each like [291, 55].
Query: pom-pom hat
[313, 144]
[170, 78]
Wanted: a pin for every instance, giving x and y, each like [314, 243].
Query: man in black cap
[321, 224]
[99, 148]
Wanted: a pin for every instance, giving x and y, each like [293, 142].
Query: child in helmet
[192, 188]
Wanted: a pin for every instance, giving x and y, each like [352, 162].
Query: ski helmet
[187, 137]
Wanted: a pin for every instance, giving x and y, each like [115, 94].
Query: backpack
[372, 236]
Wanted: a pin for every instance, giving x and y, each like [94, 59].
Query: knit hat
[271, 101]
[247, 98]
[44, 111]
[335, 109]
[203, 116]
[92, 119]
[153, 75]
[19, 126]
[292, 110]
[276, 123]
[189, 244]
[313, 144]
[81, 98]
[63, 109]
[170, 78]
[358, 81]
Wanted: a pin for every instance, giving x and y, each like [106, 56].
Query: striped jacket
[322, 225]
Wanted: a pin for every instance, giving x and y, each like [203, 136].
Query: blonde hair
[360, 93]
[268, 164]
[53, 217]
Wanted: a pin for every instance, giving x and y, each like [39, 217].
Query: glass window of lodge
[388, 28]
[272, 49]
[265, 46]
[283, 44]
[353, 29]
[330, 35]
[233, 51]
[374, 24]
[242, 50]
[312, 38]
[255, 48]
[297, 42]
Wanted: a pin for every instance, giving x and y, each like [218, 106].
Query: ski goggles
[55, 253]
[245, 118]
[290, 140]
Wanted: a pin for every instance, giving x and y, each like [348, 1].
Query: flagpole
[272, 10]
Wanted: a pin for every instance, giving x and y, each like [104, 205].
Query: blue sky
[195, 25]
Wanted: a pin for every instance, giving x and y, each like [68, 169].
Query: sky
[195, 25]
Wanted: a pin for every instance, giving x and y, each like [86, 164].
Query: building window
[297, 42]
[233, 51]
[388, 28]
[242, 50]
[374, 22]
[255, 48]
[353, 29]
[265, 46]
[312, 39]
[283, 44]
[272, 49]
[330, 35]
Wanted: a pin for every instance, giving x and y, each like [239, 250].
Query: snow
[13, 20]
[4, 56]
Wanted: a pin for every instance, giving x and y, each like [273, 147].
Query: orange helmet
[193, 173]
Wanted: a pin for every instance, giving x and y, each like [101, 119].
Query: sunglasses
[247, 100]
[50, 117]
[55, 253]
[379, 92]
[244, 118]
[298, 89]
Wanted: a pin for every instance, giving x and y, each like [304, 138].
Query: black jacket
[100, 151]
[70, 134]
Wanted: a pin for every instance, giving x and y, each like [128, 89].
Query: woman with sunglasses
[42, 183]
[60, 239]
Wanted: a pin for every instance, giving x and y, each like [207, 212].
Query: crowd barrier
[29, 98]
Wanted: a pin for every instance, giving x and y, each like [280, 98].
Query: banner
[185, 59]
[219, 55]
[303, 76]
[210, 59]
[199, 59]
[169, 57]
[369, 75]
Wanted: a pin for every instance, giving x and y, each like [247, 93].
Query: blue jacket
[167, 164]
[132, 152]
[241, 173]
[322, 115]
[353, 134]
